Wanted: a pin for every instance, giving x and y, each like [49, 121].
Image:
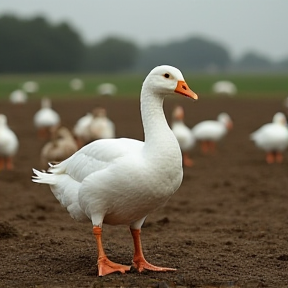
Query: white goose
[183, 134]
[8, 145]
[101, 127]
[272, 138]
[45, 119]
[18, 97]
[61, 146]
[121, 181]
[211, 131]
[81, 130]
[93, 126]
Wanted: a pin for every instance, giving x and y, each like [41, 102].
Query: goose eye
[166, 75]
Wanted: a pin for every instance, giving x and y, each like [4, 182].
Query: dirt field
[227, 225]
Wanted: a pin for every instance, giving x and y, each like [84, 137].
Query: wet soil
[227, 225]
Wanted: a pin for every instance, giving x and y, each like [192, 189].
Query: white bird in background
[61, 146]
[81, 130]
[209, 132]
[107, 89]
[76, 84]
[46, 119]
[224, 87]
[8, 145]
[101, 127]
[94, 126]
[183, 134]
[272, 138]
[30, 87]
[121, 181]
[18, 97]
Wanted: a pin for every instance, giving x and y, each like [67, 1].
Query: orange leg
[139, 261]
[187, 161]
[9, 163]
[105, 266]
[212, 146]
[270, 158]
[205, 147]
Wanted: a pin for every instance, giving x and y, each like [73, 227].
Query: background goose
[224, 87]
[81, 130]
[61, 146]
[18, 97]
[30, 87]
[211, 131]
[183, 134]
[94, 126]
[8, 144]
[121, 181]
[107, 89]
[101, 127]
[45, 119]
[272, 138]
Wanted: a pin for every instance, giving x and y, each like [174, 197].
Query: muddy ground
[227, 225]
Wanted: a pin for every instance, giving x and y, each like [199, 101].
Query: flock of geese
[207, 133]
[272, 137]
[120, 181]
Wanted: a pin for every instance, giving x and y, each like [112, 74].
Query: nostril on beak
[184, 87]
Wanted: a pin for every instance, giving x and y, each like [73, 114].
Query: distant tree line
[35, 45]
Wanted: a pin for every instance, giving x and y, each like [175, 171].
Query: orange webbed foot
[106, 266]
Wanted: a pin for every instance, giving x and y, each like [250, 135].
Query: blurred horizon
[33, 45]
[239, 26]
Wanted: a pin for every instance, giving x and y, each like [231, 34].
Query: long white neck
[159, 139]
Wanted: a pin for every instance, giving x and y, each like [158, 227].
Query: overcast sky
[240, 25]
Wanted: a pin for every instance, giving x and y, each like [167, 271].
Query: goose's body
[30, 87]
[81, 129]
[101, 127]
[61, 146]
[18, 97]
[211, 131]
[8, 144]
[121, 181]
[94, 126]
[183, 135]
[76, 84]
[272, 138]
[224, 87]
[45, 119]
[107, 89]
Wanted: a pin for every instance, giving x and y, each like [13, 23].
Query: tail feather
[43, 177]
[64, 189]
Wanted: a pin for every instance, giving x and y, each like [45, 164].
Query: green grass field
[129, 85]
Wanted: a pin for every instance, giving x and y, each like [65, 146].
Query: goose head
[280, 118]
[99, 112]
[178, 113]
[166, 80]
[60, 132]
[225, 119]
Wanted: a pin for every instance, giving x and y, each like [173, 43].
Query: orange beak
[183, 88]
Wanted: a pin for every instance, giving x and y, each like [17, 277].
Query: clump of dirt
[7, 231]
